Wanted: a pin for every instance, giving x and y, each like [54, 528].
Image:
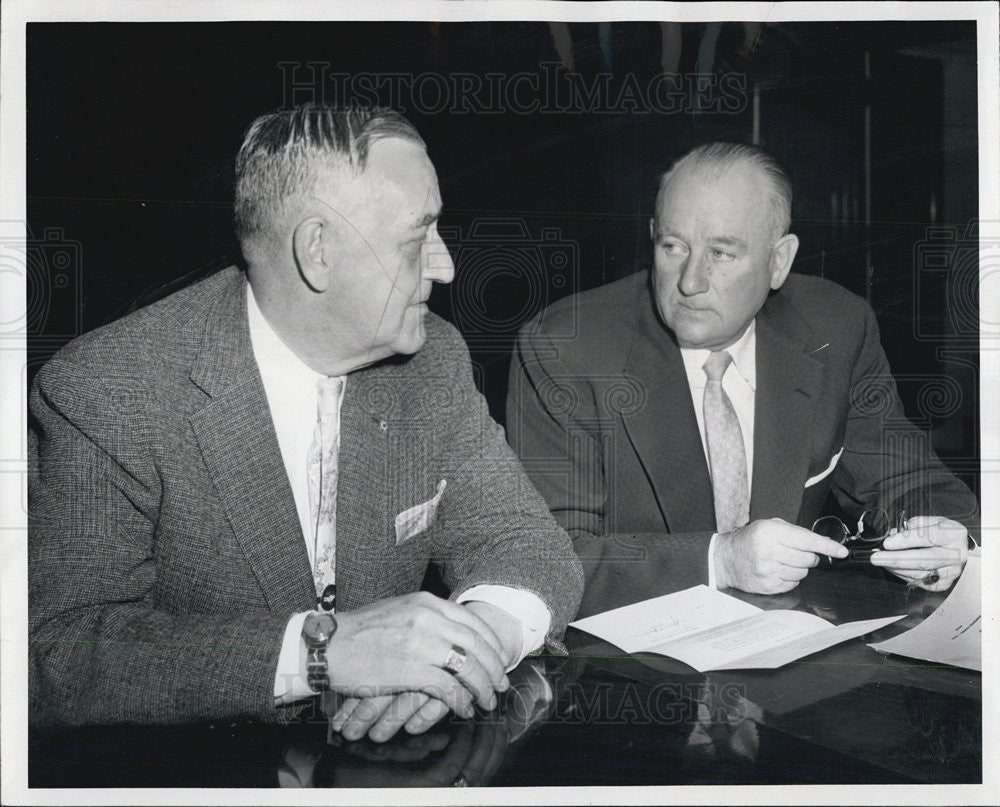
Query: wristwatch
[317, 630]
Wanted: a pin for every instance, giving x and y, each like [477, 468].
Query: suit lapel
[788, 383]
[362, 479]
[664, 432]
[241, 452]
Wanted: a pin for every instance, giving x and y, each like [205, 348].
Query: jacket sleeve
[553, 423]
[102, 648]
[886, 458]
[493, 527]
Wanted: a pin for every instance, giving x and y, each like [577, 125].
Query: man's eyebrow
[666, 232]
[729, 241]
[427, 220]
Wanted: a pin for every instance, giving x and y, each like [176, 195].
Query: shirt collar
[274, 357]
[743, 351]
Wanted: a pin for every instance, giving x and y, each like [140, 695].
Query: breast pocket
[815, 480]
[418, 519]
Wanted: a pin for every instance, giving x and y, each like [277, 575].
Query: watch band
[316, 669]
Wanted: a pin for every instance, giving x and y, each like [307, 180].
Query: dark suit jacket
[165, 553]
[600, 412]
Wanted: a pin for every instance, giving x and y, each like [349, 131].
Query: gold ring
[454, 662]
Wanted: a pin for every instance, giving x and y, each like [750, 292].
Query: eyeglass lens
[831, 527]
[873, 524]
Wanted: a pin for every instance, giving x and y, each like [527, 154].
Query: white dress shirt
[740, 384]
[290, 387]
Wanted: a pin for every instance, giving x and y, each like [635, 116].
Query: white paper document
[709, 630]
[953, 634]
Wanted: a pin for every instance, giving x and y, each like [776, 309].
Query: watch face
[319, 627]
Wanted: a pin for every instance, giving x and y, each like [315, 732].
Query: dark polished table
[847, 715]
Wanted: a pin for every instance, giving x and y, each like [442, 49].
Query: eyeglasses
[874, 526]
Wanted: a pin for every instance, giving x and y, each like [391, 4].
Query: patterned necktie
[726, 453]
[322, 470]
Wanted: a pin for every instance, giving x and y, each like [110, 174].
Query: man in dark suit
[687, 425]
[235, 493]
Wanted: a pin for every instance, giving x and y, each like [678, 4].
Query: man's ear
[782, 255]
[652, 230]
[312, 255]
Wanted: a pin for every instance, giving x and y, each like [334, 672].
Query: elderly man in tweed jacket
[174, 546]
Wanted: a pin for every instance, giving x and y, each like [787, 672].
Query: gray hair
[722, 155]
[282, 154]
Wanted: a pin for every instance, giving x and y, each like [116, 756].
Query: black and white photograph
[578, 402]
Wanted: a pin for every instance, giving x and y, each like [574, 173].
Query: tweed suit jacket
[165, 553]
[600, 412]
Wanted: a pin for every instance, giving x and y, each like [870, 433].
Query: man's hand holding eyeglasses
[928, 547]
[769, 556]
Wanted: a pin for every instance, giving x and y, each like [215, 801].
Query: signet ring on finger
[454, 662]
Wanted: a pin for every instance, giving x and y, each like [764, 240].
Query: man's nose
[437, 264]
[694, 274]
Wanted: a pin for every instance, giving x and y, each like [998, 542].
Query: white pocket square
[418, 518]
[812, 480]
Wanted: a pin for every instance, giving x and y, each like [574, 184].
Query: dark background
[132, 130]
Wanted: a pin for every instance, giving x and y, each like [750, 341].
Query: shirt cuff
[290, 683]
[525, 606]
[711, 562]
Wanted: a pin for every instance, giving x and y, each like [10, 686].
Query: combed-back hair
[722, 155]
[284, 152]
